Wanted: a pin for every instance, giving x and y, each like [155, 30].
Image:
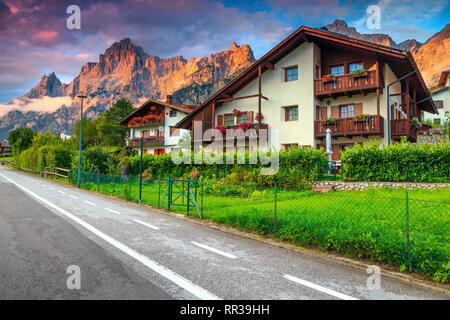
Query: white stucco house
[314, 80]
[154, 120]
[441, 96]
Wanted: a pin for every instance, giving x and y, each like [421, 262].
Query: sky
[35, 39]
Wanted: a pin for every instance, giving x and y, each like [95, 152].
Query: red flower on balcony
[257, 117]
[153, 108]
[244, 126]
[329, 77]
[237, 113]
[222, 129]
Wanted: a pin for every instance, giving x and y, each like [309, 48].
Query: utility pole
[81, 138]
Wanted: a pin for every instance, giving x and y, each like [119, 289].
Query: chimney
[169, 99]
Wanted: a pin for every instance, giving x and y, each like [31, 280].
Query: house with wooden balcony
[441, 96]
[316, 80]
[155, 121]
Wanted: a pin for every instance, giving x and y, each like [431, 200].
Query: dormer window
[291, 74]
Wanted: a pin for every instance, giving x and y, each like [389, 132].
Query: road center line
[74, 197]
[319, 288]
[91, 203]
[146, 224]
[163, 271]
[113, 211]
[61, 192]
[228, 255]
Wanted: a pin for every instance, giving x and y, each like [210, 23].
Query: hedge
[401, 161]
[37, 158]
[296, 168]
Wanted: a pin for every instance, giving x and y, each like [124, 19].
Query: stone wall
[339, 185]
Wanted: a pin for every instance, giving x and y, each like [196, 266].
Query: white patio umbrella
[328, 151]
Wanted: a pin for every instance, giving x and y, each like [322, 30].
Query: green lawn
[368, 224]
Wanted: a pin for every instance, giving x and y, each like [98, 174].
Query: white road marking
[228, 255]
[51, 188]
[319, 288]
[61, 192]
[74, 197]
[163, 271]
[146, 224]
[91, 203]
[44, 185]
[111, 210]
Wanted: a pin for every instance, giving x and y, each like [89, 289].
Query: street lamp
[81, 138]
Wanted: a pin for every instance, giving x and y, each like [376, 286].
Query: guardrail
[56, 172]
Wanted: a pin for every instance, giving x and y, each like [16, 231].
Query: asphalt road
[126, 252]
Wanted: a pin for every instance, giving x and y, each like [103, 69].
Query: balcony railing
[403, 127]
[371, 125]
[147, 123]
[249, 133]
[148, 141]
[346, 84]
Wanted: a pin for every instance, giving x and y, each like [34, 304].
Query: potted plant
[361, 117]
[416, 122]
[222, 129]
[257, 116]
[328, 121]
[360, 73]
[329, 77]
[237, 113]
[244, 126]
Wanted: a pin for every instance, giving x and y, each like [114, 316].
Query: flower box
[328, 77]
[328, 121]
[237, 113]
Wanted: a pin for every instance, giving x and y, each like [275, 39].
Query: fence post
[407, 233]
[188, 194]
[275, 212]
[202, 198]
[114, 185]
[159, 191]
[169, 198]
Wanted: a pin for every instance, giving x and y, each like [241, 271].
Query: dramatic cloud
[44, 105]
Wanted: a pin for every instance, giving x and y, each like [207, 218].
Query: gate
[327, 170]
[182, 192]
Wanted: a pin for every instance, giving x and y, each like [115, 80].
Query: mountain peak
[49, 85]
[234, 46]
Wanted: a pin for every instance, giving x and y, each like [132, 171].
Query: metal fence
[410, 230]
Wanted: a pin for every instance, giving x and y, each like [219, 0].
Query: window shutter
[220, 120]
[335, 112]
[358, 109]
[249, 116]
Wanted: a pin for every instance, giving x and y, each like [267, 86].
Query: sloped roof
[179, 107]
[401, 62]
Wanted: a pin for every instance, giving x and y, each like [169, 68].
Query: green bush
[37, 158]
[401, 161]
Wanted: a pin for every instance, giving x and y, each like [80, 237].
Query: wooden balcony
[346, 85]
[148, 142]
[349, 127]
[403, 128]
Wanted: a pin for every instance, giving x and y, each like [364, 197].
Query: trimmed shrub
[401, 161]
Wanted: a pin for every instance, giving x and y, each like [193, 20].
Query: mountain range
[125, 70]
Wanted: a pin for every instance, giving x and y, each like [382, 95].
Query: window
[174, 132]
[288, 147]
[243, 118]
[437, 121]
[173, 113]
[355, 66]
[347, 111]
[338, 70]
[159, 151]
[439, 104]
[291, 74]
[229, 119]
[291, 113]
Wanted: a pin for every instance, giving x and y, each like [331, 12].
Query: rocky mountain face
[432, 57]
[126, 71]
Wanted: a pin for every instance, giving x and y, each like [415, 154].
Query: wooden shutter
[335, 112]
[220, 120]
[249, 116]
[358, 109]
